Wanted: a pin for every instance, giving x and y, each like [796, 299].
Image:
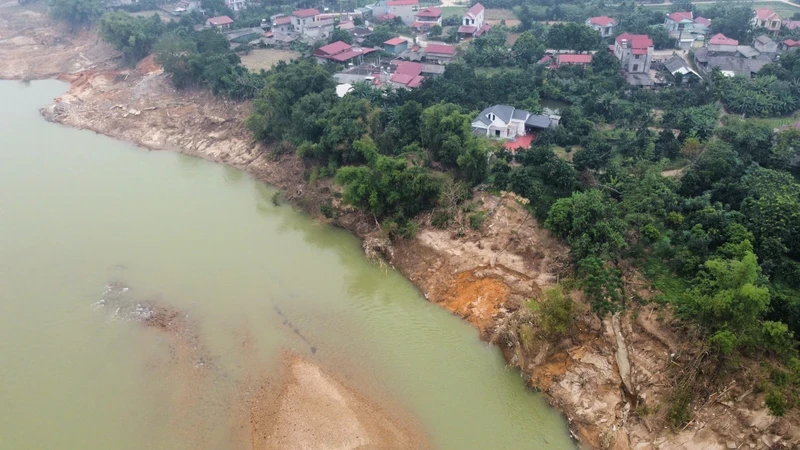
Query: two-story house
[472, 24]
[308, 22]
[427, 18]
[635, 54]
[677, 21]
[603, 25]
[767, 18]
[406, 10]
[634, 51]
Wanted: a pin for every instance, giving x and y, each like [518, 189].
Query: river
[79, 210]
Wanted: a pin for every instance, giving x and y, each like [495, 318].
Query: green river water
[78, 210]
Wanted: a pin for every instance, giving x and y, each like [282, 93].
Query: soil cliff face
[610, 378]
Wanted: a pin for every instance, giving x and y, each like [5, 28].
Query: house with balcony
[688, 31]
[603, 25]
[635, 54]
[473, 23]
[309, 22]
[427, 18]
[768, 19]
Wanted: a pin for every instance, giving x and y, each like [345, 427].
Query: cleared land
[497, 16]
[266, 58]
[458, 11]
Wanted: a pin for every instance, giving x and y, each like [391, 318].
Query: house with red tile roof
[406, 10]
[676, 21]
[767, 18]
[407, 75]
[721, 43]
[472, 24]
[635, 53]
[220, 22]
[790, 44]
[702, 21]
[440, 53]
[602, 24]
[427, 18]
[342, 53]
[567, 59]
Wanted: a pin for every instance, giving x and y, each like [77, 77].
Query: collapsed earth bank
[611, 378]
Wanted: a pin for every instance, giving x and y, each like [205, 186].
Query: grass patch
[777, 122]
[491, 71]
[448, 11]
[668, 284]
[562, 152]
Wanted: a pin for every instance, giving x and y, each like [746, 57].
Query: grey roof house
[507, 122]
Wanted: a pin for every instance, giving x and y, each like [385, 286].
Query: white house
[310, 23]
[472, 24]
[767, 18]
[406, 10]
[603, 25]
[507, 122]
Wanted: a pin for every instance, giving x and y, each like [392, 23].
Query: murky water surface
[79, 211]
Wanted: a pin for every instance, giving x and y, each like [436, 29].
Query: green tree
[133, 36]
[572, 36]
[589, 221]
[527, 49]
[173, 52]
[341, 35]
[76, 12]
[728, 300]
[602, 284]
[388, 187]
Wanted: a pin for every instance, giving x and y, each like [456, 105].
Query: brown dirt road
[483, 276]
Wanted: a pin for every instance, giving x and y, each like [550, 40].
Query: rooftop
[409, 68]
[765, 13]
[574, 59]
[721, 39]
[476, 9]
[430, 12]
[285, 20]
[220, 20]
[680, 15]
[303, 13]
[440, 49]
[602, 21]
[640, 41]
[333, 48]
[395, 41]
[702, 21]
[764, 39]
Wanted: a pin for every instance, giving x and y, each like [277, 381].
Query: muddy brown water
[79, 210]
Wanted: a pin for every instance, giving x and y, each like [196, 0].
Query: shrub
[476, 220]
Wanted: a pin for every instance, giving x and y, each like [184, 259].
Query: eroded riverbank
[482, 277]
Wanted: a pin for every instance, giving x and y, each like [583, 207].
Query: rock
[732, 445]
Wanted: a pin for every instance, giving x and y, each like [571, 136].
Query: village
[421, 42]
